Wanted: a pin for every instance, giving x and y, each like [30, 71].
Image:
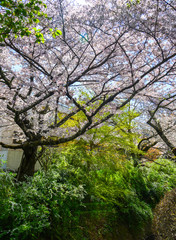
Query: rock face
[164, 222]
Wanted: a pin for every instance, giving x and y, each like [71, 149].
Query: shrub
[160, 177]
[45, 204]
[134, 191]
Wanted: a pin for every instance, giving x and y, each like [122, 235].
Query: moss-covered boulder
[164, 222]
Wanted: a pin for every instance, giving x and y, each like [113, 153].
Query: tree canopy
[128, 53]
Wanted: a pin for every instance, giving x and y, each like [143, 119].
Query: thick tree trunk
[28, 162]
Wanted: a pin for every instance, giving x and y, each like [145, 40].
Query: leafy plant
[130, 193]
[17, 18]
[45, 204]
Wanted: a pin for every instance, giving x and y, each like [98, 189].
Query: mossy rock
[164, 222]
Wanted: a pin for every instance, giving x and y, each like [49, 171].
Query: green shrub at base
[45, 204]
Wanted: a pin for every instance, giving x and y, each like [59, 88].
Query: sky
[83, 2]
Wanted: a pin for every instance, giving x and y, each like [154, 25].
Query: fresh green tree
[118, 135]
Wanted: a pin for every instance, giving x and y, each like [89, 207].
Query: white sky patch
[81, 2]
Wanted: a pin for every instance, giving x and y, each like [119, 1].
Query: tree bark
[160, 132]
[27, 165]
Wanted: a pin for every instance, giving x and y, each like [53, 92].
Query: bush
[160, 177]
[45, 204]
[134, 191]
[164, 222]
[130, 193]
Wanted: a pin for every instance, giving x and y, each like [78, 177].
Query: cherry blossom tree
[108, 55]
[162, 120]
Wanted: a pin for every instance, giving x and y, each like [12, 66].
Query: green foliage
[162, 173]
[81, 187]
[117, 135]
[44, 204]
[17, 17]
[105, 159]
[129, 193]
[131, 3]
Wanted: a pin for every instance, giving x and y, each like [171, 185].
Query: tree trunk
[27, 165]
